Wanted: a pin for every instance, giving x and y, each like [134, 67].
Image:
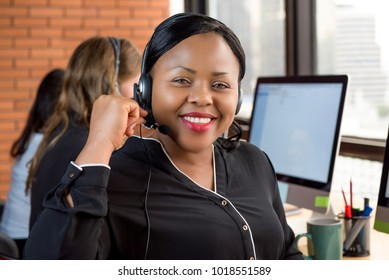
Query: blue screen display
[295, 124]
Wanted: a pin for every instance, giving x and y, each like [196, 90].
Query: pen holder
[356, 236]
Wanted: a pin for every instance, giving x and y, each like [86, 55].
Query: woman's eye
[220, 85]
[181, 81]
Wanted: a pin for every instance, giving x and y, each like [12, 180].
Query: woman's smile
[198, 122]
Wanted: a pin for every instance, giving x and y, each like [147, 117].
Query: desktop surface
[379, 242]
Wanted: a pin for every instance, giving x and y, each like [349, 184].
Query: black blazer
[54, 164]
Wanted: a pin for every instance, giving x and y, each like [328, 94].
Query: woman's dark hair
[184, 25]
[42, 108]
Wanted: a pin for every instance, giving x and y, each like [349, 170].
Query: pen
[365, 202]
[351, 195]
[367, 209]
[347, 214]
[347, 208]
[344, 197]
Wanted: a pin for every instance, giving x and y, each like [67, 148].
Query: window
[351, 38]
[176, 6]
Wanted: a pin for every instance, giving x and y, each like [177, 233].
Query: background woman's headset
[116, 48]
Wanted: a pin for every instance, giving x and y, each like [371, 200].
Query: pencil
[351, 195]
[344, 197]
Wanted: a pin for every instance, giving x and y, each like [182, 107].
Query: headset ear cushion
[145, 90]
[142, 95]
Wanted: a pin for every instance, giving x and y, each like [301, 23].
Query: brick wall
[38, 35]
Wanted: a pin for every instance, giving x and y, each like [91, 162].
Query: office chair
[8, 248]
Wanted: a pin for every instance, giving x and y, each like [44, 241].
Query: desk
[379, 242]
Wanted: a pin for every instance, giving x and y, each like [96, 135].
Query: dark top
[54, 164]
[242, 219]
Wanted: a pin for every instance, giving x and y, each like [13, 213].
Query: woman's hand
[113, 120]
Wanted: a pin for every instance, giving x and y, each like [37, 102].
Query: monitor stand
[330, 214]
[310, 198]
[314, 204]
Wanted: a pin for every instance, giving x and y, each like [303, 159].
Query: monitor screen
[296, 122]
[381, 222]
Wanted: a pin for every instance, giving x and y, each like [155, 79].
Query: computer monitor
[381, 222]
[296, 121]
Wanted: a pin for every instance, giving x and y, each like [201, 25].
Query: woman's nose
[201, 95]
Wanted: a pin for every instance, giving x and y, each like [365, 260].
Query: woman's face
[195, 90]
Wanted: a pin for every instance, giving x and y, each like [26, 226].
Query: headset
[143, 92]
[116, 48]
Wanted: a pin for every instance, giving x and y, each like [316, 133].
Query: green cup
[324, 239]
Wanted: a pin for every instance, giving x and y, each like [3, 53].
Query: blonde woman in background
[99, 65]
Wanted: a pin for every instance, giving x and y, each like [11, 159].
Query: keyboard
[291, 210]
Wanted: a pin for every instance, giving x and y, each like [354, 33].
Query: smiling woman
[179, 194]
[197, 99]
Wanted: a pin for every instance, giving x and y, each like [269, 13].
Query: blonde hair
[89, 74]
